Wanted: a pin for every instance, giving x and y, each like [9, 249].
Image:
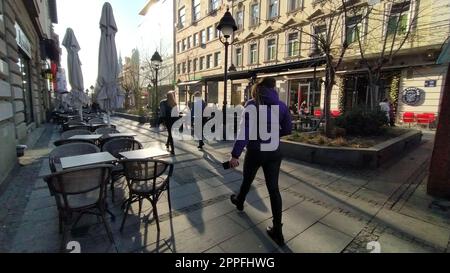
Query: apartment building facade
[276, 38]
[28, 47]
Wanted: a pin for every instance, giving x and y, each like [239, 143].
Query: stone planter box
[372, 157]
[140, 119]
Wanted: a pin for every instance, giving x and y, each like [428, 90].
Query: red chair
[409, 117]
[318, 113]
[432, 117]
[424, 119]
[335, 113]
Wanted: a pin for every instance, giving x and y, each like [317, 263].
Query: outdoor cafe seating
[115, 147]
[147, 179]
[80, 191]
[71, 149]
[106, 130]
[71, 133]
[81, 171]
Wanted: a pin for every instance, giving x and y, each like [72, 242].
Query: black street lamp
[226, 27]
[156, 62]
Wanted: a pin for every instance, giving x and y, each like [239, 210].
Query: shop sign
[413, 96]
[22, 40]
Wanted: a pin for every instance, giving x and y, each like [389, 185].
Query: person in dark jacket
[166, 106]
[198, 102]
[263, 93]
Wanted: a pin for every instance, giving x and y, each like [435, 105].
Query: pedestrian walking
[200, 103]
[385, 107]
[263, 93]
[166, 106]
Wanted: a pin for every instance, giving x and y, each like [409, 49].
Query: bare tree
[379, 46]
[327, 40]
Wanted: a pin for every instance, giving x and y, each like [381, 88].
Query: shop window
[236, 94]
[24, 65]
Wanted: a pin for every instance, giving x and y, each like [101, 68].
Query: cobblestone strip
[374, 230]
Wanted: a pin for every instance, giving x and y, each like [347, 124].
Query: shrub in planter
[359, 122]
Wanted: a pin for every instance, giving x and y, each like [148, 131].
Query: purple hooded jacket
[269, 97]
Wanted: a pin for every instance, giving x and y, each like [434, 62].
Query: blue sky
[83, 17]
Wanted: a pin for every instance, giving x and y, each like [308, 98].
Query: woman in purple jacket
[263, 93]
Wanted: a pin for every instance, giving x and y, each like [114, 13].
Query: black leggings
[270, 162]
[169, 123]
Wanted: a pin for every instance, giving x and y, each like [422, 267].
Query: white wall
[433, 95]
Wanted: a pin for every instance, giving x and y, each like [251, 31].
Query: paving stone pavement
[325, 209]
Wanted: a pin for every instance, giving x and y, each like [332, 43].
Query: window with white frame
[253, 53]
[209, 61]
[195, 40]
[320, 33]
[293, 44]
[179, 46]
[271, 49]
[217, 31]
[181, 17]
[195, 65]
[184, 67]
[254, 14]
[178, 69]
[217, 59]
[203, 36]
[214, 4]
[196, 10]
[352, 29]
[201, 65]
[189, 42]
[238, 56]
[184, 45]
[239, 17]
[272, 9]
[294, 5]
[189, 65]
[210, 33]
[398, 18]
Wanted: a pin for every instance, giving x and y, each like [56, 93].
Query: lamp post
[156, 62]
[226, 27]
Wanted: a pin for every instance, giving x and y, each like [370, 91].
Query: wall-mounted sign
[22, 40]
[430, 83]
[413, 96]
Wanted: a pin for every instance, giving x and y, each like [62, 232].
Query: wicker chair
[70, 124]
[80, 191]
[106, 130]
[147, 179]
[75, 132]
[96, 121]
[62, 142]
[72, 149]
[115, 146]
